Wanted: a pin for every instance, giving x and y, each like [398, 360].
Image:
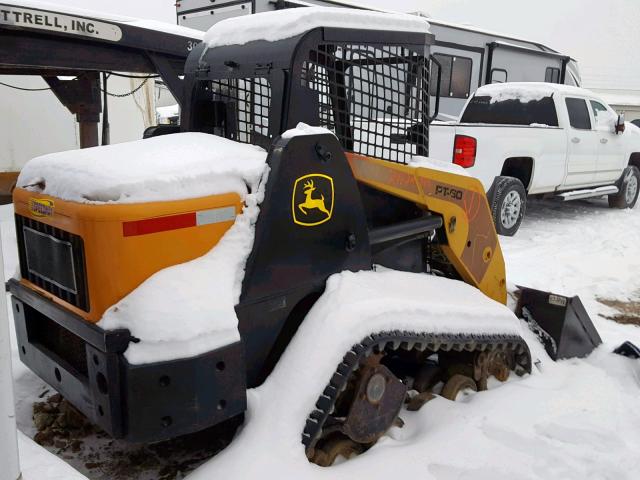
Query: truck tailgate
[441, 137]
[546, 146]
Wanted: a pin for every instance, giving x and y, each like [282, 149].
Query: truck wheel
[629, 189]
[508, 202]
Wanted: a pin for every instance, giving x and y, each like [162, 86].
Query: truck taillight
[464, 151]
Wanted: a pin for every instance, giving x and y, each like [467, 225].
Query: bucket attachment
[562, 323]
[629, 350]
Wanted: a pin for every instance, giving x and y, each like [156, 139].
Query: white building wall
[35, 123]
[627, 101]
[32, 123]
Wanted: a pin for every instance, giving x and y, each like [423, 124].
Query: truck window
[600, 113]
[578, 113]
[456, 76]
[552, 75]
[481, 109]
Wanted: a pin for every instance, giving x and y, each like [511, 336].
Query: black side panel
[196, 393]
[298, 245]
[140, 403]
[565, 321]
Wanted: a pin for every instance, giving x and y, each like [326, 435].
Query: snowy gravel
[580, 248]
[574, 419]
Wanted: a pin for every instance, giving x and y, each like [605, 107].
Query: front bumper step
[139, 403]
[588, 193]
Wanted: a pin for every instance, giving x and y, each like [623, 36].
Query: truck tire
[508, 203]
[629, 189]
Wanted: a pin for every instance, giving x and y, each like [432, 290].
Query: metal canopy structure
[53, 44]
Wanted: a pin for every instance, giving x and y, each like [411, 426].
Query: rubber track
[406, 341]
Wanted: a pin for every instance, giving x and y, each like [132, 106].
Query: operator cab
[368, 86]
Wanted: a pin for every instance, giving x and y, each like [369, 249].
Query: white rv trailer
[470, 57]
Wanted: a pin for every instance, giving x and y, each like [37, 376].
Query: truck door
[583, 142]
[611, 153]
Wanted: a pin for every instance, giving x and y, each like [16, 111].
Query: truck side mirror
[620, 124]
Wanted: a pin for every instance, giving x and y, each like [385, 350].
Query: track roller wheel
[457, 384]
[389, 370]
[417, 402]
[364, 412]
[426, 377]
[338, 446]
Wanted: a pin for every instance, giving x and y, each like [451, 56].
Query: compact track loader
[333, 202]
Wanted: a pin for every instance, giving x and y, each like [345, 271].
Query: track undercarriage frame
[402, 362]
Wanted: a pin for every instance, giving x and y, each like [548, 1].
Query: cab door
[611, 153]
[583, 142]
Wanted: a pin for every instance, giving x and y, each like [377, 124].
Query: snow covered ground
[574, 419]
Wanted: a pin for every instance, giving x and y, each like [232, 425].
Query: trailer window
[455, 81]
[578, 113]
[552, 75]
[481, 109]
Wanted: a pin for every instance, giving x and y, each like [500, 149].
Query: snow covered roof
[281, 24]
[170, 167]
[130, 21]
[538, 47]
[432, 21]
[527, 91]
[492, 33]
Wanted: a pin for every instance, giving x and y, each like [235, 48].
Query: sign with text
[57, 22]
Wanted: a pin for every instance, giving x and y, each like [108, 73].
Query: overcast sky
[603, 35]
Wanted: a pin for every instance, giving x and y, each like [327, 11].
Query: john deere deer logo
[312, 200]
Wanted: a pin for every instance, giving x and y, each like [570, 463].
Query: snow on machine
[161, 279]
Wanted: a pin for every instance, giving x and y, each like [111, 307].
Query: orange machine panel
[124, 244]
[472, 243]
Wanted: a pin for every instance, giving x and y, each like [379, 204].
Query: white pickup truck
[523, 139]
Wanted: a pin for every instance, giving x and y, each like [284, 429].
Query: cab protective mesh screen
[374, 98]
[247, 102]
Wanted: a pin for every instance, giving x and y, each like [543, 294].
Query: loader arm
[471, 243]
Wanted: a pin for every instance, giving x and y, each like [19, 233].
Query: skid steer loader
[333, 202]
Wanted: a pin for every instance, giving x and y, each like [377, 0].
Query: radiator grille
[53, 259]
